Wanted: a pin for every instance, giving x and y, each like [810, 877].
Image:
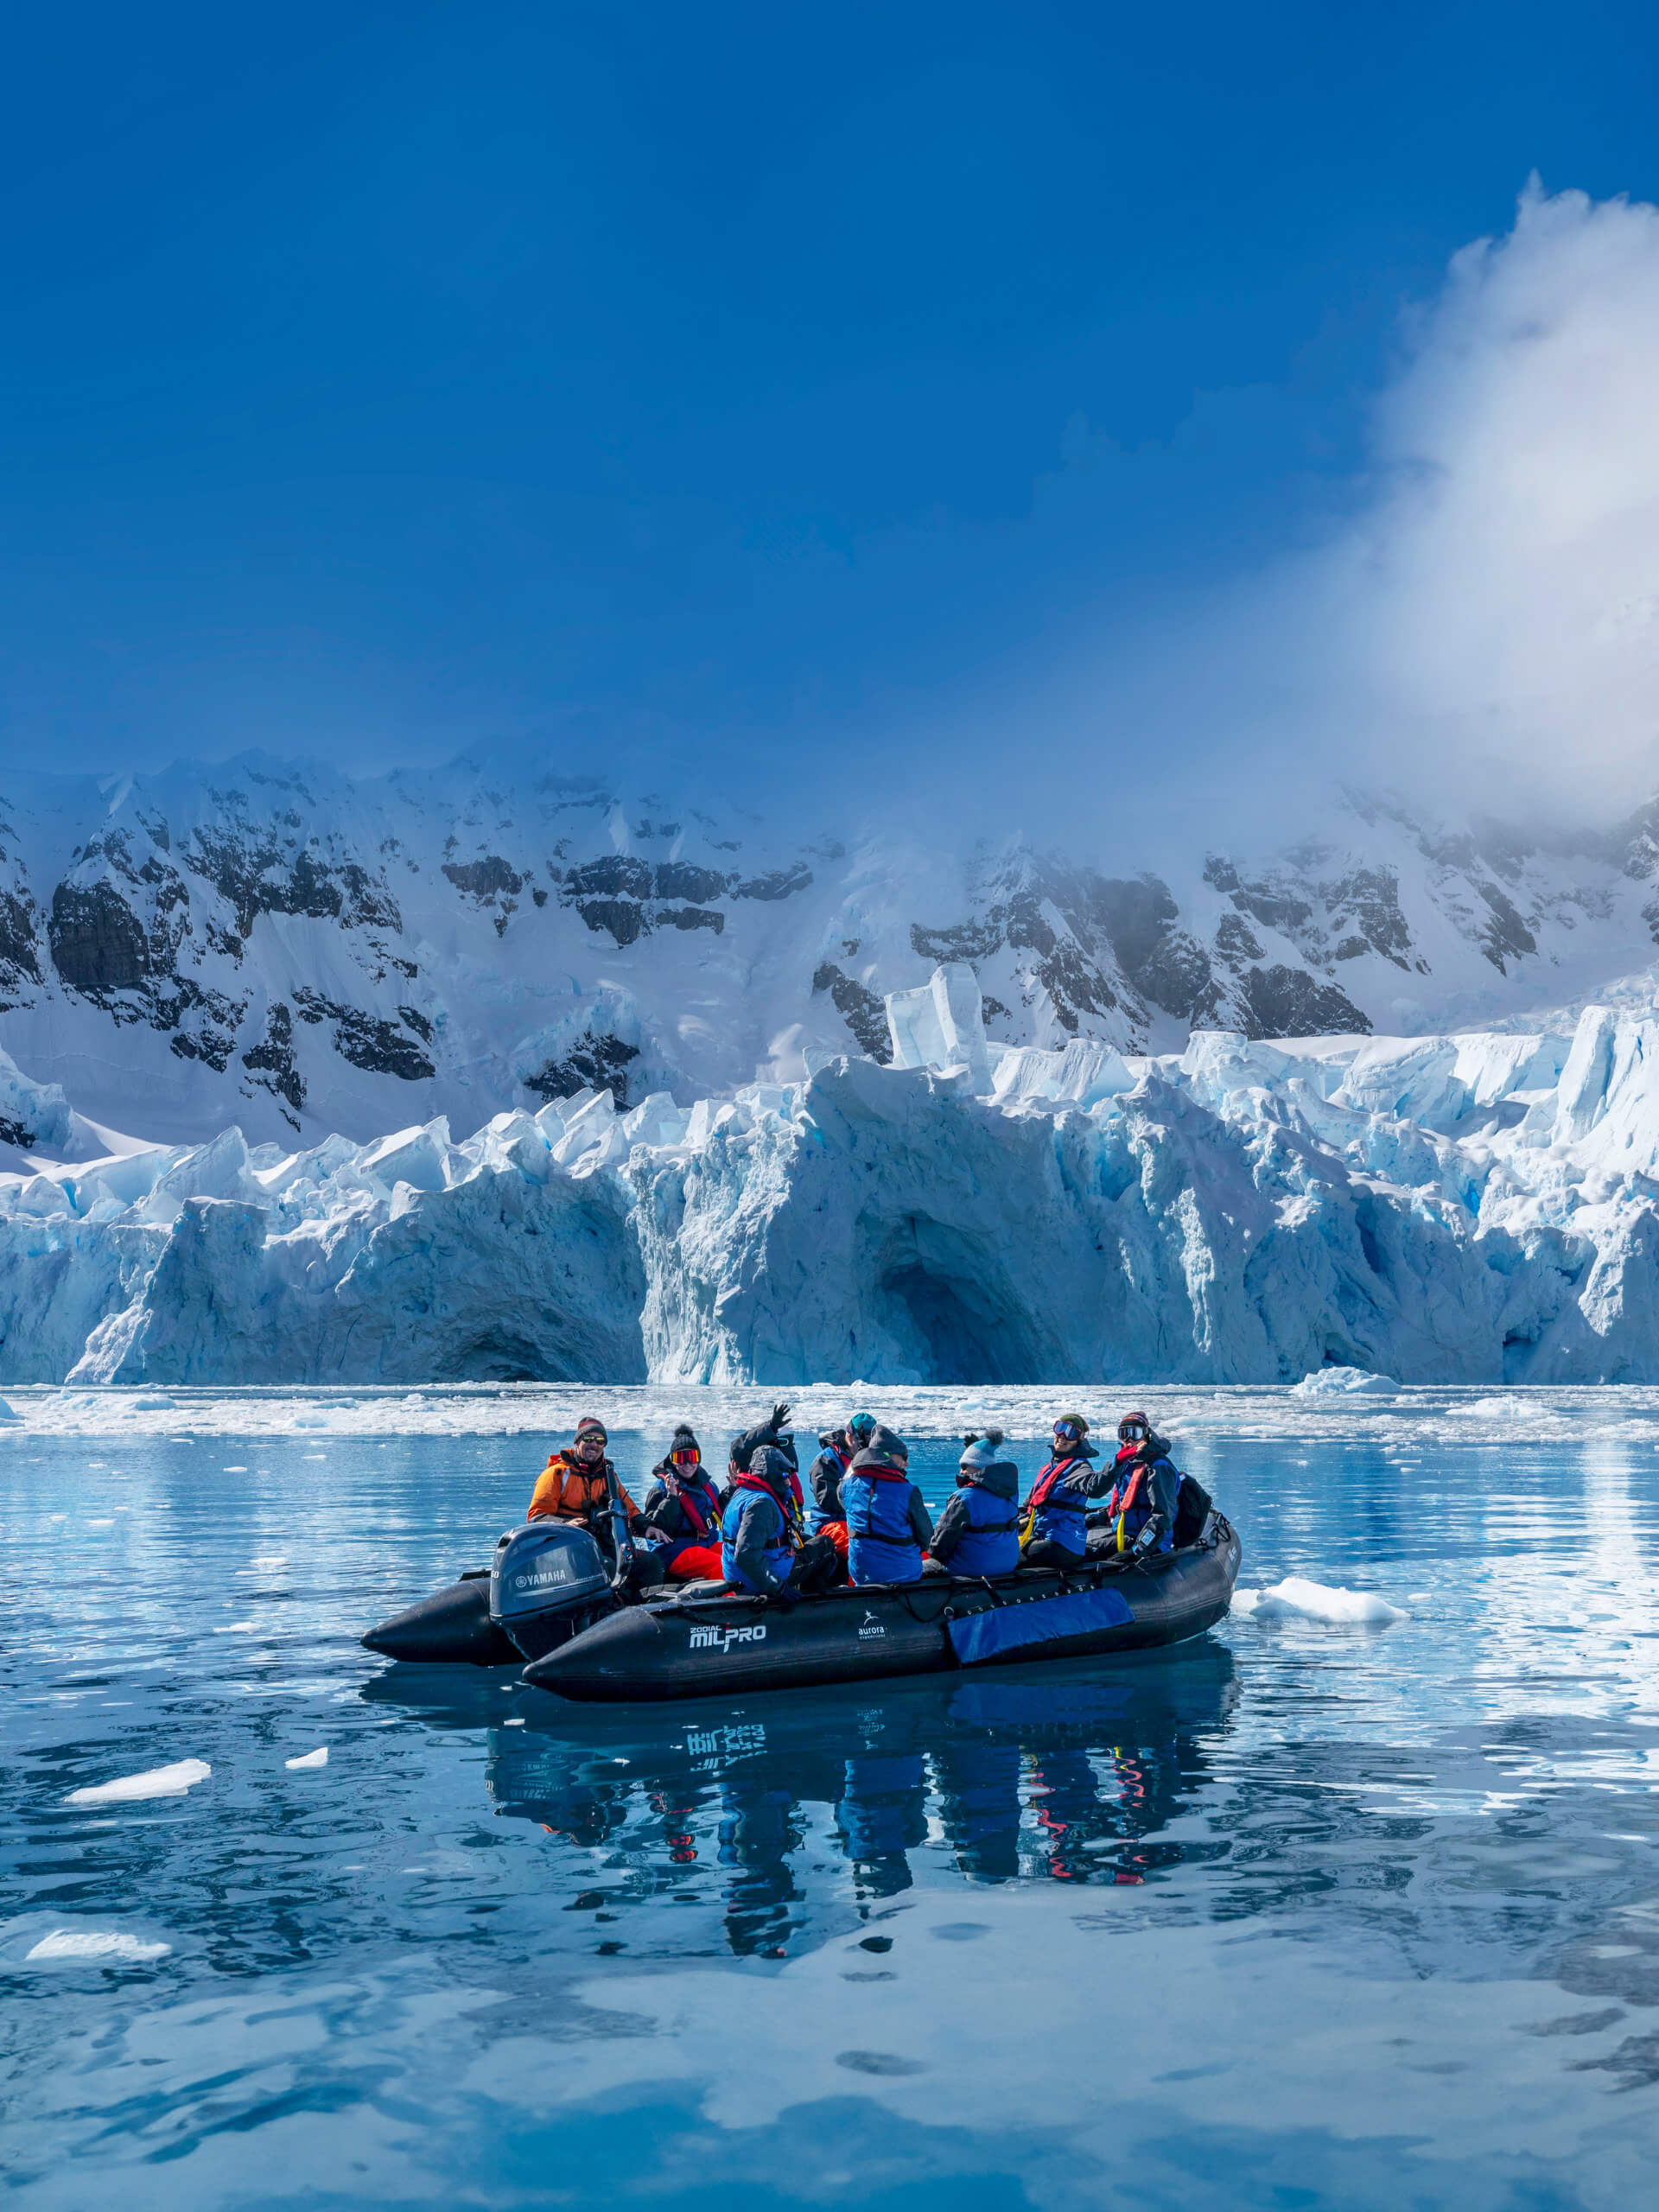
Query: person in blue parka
[761, 1549]
[1056, 1529]
[888, 1526]
[1139, 1515]
[978, 1532]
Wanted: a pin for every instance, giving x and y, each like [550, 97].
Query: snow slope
[1477, 1207]
[286, 950]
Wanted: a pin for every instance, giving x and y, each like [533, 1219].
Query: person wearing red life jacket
[1139, 1515]
[681, 1511]
[888, 1526]
[1054, 1528]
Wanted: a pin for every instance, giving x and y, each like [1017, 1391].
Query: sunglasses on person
[594, 1438]
[692, 1457]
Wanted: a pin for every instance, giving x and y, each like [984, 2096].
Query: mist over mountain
[275, 945]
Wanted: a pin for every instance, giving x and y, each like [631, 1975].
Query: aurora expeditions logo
[869, 1626]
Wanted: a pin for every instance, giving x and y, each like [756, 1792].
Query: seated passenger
[978, 1532]
[1055, 1531]
[774, 1431]
[757, 1526]
[683, 1510]
[888, 1528]
[1139, 1515]
[835, 1455]
[575, 1485]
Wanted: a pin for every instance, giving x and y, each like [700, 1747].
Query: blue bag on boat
[1036, 1620]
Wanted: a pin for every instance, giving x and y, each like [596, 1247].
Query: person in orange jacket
[575, 1485]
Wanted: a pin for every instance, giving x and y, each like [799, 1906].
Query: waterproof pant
[694, 1563]
[1043, 1551]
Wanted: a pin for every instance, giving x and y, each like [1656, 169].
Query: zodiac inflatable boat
[702, 1646]
[546, 1598]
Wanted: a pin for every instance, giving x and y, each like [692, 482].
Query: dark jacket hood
[874, 1459]
[1151, 1448]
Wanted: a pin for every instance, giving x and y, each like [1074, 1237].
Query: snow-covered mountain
[1477, 1207]
[298, 954]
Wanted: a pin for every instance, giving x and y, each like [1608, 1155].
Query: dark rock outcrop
[599, 1062]
[864, 1014]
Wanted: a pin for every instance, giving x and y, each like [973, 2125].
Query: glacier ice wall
[1469, 1208]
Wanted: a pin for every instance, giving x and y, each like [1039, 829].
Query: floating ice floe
[6, 1414]
[1345, 1383]
[157, 1782]
[96, 1945]
[318, 1758]
[1297, 1598]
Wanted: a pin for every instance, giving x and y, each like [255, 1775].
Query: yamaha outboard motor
[548, 1582]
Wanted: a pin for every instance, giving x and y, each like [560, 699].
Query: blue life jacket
[1129, 1507]
[1060, 1516]
[780, 1554]
[992, 1543]
[881, 1544]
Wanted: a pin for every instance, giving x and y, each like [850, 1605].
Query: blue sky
[760, 382]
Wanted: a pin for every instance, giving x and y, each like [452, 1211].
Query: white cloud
[1484, 627]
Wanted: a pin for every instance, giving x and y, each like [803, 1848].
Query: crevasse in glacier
[1470, 1208]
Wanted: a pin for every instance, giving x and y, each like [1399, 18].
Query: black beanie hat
[685, 1439]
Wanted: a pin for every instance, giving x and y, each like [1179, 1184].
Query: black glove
[779, 1417]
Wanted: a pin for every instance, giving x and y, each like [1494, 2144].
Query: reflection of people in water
[1078, 1808]
[978, 1782]
[758, 1828]
[1066, 1776]
[882, 1814]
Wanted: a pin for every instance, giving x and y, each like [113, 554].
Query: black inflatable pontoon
[712, 1645]
[547, 1582]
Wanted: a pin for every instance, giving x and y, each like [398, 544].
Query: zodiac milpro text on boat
[888, 1526]
[978, 1532]
[1054, 1531]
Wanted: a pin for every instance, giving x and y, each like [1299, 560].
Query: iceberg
[1346, 1383]
[1345, 1215]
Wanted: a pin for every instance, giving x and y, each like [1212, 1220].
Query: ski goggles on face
[1068, 1429]
[1132, 1432]
[693, 1459]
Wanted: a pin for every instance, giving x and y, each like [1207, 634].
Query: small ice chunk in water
[235, 1628]
[158, 1781]
[1297, 1598]
[318, 1758]
[96, 1943]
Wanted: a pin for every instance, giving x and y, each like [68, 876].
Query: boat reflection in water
[803, 1818]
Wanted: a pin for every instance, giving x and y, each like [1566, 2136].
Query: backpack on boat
[1193, 1508]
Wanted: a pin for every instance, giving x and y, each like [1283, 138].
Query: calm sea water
[1297, 1916]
